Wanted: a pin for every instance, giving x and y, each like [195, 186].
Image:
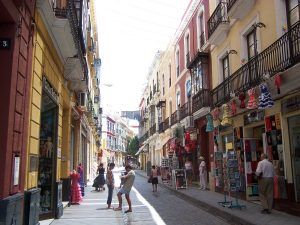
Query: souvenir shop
[48, 151]
[242, 131]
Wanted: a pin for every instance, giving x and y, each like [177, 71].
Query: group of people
[202, 172]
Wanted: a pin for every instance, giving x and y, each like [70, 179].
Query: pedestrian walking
[110, 181]
[189, 170]
[202, 174]
[126, 188]
[76, 196]
[99, 180]
[265, 173]
[154, 178]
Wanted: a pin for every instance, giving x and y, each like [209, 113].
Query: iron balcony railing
[166, 123]
[201, 99]
[161, 127]
[184, 111]
[153, 130]
[202, 39]
[219, 16]
[174, 118]
[279, 56]
[60, 12]
[230, 4]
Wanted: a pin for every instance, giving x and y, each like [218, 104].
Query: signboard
[291, 104]
[16, 170]
[5, 43]
[179, 178]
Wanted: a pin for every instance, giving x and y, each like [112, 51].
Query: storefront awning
[144, 148]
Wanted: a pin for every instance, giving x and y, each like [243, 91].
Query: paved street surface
[166, 207]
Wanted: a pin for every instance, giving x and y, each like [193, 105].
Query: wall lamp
[259, 24]
[232, 51]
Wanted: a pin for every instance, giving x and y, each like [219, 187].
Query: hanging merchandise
[252, 100]
[265, 100]
[233, 107]
[216, 114]
[226, 114]
[242, 98]
[209, 125]
[278, 83]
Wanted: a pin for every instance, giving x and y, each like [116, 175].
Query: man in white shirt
[202, 173]
[265, 171]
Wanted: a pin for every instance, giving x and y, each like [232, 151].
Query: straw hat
[201, 157]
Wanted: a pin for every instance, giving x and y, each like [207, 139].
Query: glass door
[294, 129]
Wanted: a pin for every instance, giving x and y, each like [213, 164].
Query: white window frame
[178, 100]
[177, 61]
[221, 56]
[187, 49]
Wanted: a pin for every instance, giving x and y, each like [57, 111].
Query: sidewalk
[208, 201]
[92, 211]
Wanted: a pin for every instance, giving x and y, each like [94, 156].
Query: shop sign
[5, 43]
[254, 117]
[291, 104]
[50, 90]
[16, 169]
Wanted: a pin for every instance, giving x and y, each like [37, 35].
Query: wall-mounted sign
[291, 104]
[254, 116]
[16, 169]
[50, 90]
[5, 43]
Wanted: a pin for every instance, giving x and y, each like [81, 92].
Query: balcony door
[293, 12]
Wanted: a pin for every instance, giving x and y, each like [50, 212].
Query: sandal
[117, 209]
[127, 211]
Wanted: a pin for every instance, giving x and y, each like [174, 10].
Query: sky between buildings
[130, 33]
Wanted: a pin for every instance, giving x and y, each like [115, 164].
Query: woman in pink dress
[76, 196]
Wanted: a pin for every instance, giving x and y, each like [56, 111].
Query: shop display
[265, 99]
[252, 99]
[179, 179]
[252, 152]
[242, 98]
[226, 114]
[209, 124]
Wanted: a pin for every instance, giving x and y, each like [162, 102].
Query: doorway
[294, 131]
[47, 159]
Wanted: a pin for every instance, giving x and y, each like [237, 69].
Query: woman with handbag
[154, 178]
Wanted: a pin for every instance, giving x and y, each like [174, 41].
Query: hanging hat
[265, 99]
[252, 100]
[209, 125]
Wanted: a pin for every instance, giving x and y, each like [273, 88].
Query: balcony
[279, 56]
[218, 24]
[153, 130]
[174, 117]
[161, 127]
[166, 124]
[238, 9]
[184, 111]
[201, 99]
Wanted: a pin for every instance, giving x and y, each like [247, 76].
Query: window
[188, 89]
[178, 99]
[293, 12]
[225, 66]
[170, 80]
[251, 44]
[170, 107]
[177, 63]
[201, 30]
[187, 48]
[163, 84]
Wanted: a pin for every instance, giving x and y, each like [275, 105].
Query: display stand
[179, 178]
[225, 203]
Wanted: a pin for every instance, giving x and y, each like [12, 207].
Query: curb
[216, 211]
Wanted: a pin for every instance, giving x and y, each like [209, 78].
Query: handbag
[150, 179]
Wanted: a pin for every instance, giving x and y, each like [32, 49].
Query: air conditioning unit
[82, 100]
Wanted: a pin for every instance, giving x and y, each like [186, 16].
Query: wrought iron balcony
[153, 130]
[184, 111]
[174, 118]
[166, 123]
[279, 56]
[161, 127]
[201, 99]
[218, 17]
